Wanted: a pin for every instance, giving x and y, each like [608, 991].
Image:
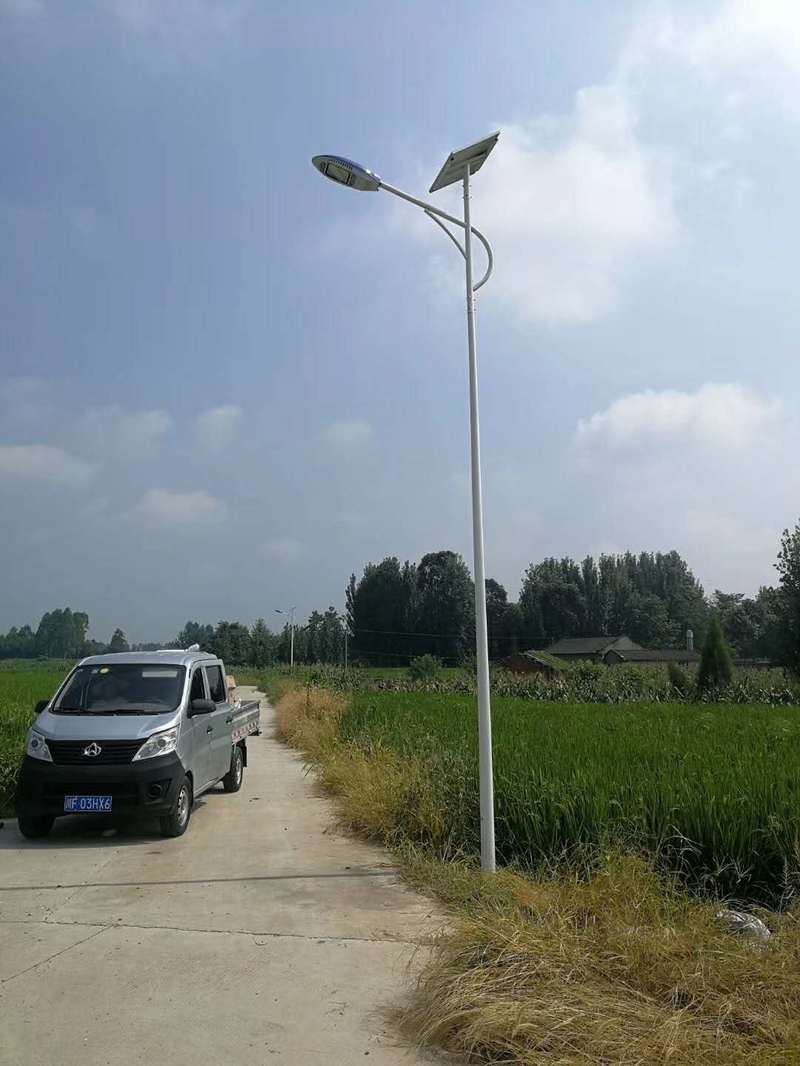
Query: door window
[197, 690]
[216, 686]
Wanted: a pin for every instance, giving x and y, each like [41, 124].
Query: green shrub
[716, 666]
[678, 678]
[424, 668]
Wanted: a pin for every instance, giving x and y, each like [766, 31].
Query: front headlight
[37, 747]
[158, 744]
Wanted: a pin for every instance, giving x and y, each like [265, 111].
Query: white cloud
[160, 507]
[216, 428]
[150, 17]
[723, 415]
[738, 34]
[286, 549]
[574, 204]
[125, 434]
[349, 433]
[41, 462]
[725, 59]
[570, 204]
[704, 472]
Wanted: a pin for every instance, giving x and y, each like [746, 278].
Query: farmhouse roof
[657, 655]
[543, 658]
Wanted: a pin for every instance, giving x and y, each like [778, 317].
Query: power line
[406, 633]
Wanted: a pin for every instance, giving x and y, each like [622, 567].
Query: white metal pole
[484, 704]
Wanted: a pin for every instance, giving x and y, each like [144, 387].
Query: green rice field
[21, 688]
[712, 792]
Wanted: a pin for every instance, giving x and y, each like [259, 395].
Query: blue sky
[225, 383]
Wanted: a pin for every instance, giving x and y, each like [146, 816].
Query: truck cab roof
[168, 657]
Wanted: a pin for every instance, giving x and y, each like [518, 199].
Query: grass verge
[620, 967]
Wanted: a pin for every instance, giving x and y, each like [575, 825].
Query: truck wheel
[174, 824]
[34, 827]
[232, 781]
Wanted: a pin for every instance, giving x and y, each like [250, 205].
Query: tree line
[396, 612]
[62, 634]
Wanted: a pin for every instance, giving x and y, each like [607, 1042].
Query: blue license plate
[87, 803]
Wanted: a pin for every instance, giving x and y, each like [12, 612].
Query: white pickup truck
[134, 733]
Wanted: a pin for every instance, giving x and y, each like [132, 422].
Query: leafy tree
[118, 642]
[195, 633]
[772, 635]
[97, 647]
[61, 634]
[262, 644]
[511, 631]
[18, 643]
[231, 642]
[324, 637]
[716, 668]
[496, 608]
[381, 611]
[788, 566]
[552, 600]
[444, 607]
[654, 598]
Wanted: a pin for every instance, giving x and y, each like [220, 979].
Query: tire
[33, 827]
[175, 823]
[232, 781]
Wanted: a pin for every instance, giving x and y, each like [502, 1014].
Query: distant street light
[457, 167]
[291, 632]
[343, 620]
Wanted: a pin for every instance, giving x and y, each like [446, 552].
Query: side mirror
[40, 706]
[201, 707]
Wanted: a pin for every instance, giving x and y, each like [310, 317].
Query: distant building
[652, 656]
[591, 649]
[615, 650]
[532, 662]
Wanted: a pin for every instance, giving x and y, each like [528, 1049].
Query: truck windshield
[122, 688]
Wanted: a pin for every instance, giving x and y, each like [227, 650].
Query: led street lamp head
[346, 172]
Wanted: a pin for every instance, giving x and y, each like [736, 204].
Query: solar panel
[475, 155]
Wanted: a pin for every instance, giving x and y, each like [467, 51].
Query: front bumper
[146, 787]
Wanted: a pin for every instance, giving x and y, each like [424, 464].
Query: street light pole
[481, 628]
[459, 166]
[291, 634]
[344, 629]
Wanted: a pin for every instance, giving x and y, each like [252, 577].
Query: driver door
[220, 722]
[201, 739]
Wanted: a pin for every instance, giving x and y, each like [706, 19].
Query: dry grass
[619, 968]
[380, 794]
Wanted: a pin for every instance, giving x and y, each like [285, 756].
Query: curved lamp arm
[436, 214]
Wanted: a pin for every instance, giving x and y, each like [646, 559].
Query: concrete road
[263, 935]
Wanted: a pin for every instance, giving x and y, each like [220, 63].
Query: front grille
[119, 790]
[112, 752]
